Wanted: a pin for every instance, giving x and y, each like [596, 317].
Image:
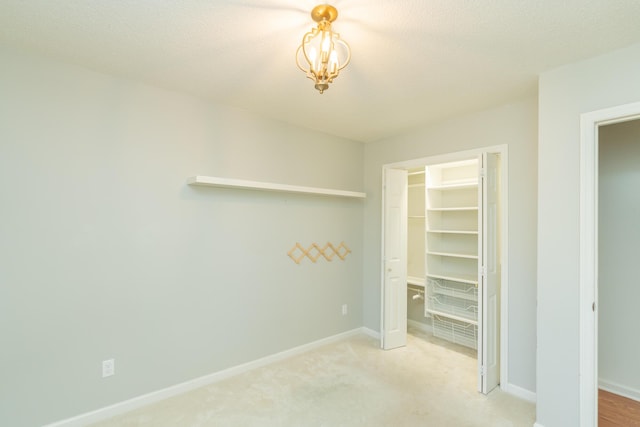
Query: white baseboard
[153, 397]
[538, 425]
[370, 332]
[620, 389]
[520, 392]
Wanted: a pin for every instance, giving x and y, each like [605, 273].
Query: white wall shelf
[213, 181]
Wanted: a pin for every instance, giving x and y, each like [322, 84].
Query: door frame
[504, 277]
[588, 279]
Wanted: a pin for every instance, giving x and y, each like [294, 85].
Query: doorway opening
[618, 234]
[444, 249]
[591, 283]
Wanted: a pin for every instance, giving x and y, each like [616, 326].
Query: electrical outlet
[345, 309]
[108, 368]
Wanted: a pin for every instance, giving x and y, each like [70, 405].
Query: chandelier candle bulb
[323, 53]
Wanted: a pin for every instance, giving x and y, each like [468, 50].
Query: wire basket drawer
[444, 304]
[455, 331]
[453, 289]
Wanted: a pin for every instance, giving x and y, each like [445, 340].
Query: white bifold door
[489, 278]
[394, 293]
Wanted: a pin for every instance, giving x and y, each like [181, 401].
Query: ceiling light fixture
[323, 53]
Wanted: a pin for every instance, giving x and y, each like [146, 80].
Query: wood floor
[616, 411]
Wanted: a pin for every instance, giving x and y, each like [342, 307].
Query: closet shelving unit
[451, 250]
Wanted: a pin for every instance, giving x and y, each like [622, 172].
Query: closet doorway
[444, 241]
[592, 286]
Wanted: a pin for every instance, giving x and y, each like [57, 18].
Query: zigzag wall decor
[313, 252]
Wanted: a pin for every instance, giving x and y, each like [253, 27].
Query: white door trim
[504, 289]
[588, 279]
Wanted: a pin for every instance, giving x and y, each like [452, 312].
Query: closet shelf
[453, 254]
[465, 291]
[213, 181]
[457, 186]
[453, 231]
[460, 209]
[455, 277]
[415, 281]
[463, 318]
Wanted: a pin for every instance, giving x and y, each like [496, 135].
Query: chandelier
[323, 53]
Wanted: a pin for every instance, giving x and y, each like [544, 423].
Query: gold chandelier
[323, 53]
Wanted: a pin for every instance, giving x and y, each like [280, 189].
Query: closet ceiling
[414, 61]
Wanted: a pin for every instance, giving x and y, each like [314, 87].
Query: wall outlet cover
[108, 368]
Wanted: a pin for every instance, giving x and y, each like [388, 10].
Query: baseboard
[370, 332]
[619, 389]
[538, 425]
[156, 396]
[520, 392]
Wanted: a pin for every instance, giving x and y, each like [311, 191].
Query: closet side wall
[618, 251]
[415, 248]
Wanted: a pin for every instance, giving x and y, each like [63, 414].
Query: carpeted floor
[350, 383]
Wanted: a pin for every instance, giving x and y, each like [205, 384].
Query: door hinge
[483, 370]
[593, 307]
[483, 172]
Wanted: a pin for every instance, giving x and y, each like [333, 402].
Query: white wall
[515, 125]
[564, 94]
[106, 253]
[618, 237]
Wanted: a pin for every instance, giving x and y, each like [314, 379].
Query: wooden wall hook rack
[298, 252]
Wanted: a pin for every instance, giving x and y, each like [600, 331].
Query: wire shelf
[457, 307]
[455, 331]
[453, 289]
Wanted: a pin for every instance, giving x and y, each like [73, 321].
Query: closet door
[394, 316]
[489, 356]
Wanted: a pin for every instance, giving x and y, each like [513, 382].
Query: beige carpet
[350, 383]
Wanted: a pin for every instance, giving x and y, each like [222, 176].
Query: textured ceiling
[414, 61]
